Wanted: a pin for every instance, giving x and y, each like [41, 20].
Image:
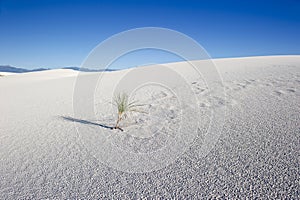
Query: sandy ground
[6, 73]
[47, 151]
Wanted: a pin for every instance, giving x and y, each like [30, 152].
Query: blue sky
[59, 33]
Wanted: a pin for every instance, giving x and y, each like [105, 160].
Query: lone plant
[124, 106]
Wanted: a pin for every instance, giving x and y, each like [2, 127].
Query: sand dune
[48, 151]
[6, 73]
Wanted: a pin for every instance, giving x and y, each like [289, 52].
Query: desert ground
[49, 151]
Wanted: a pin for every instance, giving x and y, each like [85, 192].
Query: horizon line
[78, 66]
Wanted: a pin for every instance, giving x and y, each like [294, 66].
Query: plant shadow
[82, 121]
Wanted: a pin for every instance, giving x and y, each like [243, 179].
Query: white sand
[257, 155]
[6, 73]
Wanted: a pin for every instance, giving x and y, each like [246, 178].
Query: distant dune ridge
[10, 69]
[43, 154]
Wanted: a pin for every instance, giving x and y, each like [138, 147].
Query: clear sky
[59, 33]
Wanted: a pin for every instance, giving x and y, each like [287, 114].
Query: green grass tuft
[124, 106]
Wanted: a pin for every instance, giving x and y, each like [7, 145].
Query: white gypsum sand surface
[7, 73]
[257, 155]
